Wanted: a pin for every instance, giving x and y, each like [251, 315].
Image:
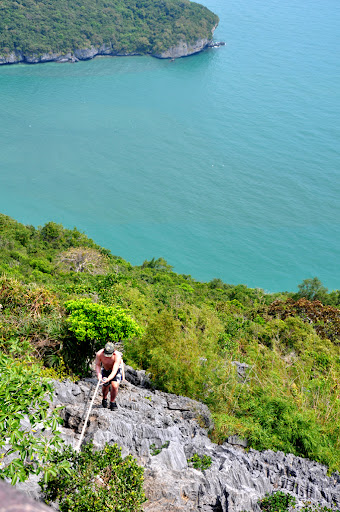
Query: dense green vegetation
[202, 463]
[284, 502]
[23, 394]
[96, 481]
[126, 26]
[188, 335]
[277, 502]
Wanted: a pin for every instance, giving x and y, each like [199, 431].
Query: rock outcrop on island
[164, 431]
[183, 49]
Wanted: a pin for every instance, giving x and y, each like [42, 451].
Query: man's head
[109, 349]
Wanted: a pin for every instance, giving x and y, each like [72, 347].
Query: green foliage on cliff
[23, 412]
[277, 502]
[141, 26]
[91, 326]
[287, 400]
[97, 480]
[285, 502]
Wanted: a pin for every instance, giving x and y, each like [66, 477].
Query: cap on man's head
[109, 349]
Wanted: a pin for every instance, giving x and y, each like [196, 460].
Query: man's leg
[114, 390]
[114, 393]
[105, 390]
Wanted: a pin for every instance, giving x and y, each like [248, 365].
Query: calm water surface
[225, 163]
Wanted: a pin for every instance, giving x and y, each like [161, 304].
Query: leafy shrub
[179, 363]
[41, 265]
[12, 344]
[23, 394]
[91, 326]
[277, 502]
[200, 462]
[58, 370]
[283, 502]
[155, 451]
[227, 343]
[316, 507]
[291, 334]
[96, 481]
[279, 422]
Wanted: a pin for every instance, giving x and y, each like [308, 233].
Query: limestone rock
[14, 501]
[11, 58]
[242, 370]
[237, 441]
[86, 53]
[137, 377]
[184, 49]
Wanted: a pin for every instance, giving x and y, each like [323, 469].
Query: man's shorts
[117, 378]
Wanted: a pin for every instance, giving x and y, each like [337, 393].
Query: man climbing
[110, 374]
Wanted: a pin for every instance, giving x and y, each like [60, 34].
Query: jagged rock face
[183, 49]
[234, 482]
[75, 56]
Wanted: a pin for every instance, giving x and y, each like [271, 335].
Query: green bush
[316, 507]
[278, 422]
[25, 393]
[92, 325]
[277, 502]
[283, 502]
[96, 481]
[180, 360]
[200, 462]
[41, 265]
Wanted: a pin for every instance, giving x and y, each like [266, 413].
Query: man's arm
[98, 366]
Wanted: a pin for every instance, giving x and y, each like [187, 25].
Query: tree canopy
[126, 26]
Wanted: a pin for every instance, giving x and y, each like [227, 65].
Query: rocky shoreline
[178, 428]
[183, 49]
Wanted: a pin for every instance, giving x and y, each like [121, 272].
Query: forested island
[60, 30]
[266, 365]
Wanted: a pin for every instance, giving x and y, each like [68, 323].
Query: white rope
[123, 371]
[87, 417]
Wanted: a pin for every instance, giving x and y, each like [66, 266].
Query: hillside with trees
[125, 26]
[62, 295]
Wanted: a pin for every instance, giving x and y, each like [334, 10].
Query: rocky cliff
[149, 421]
[183, 49]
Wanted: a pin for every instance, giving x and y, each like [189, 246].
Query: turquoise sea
[225, 163]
